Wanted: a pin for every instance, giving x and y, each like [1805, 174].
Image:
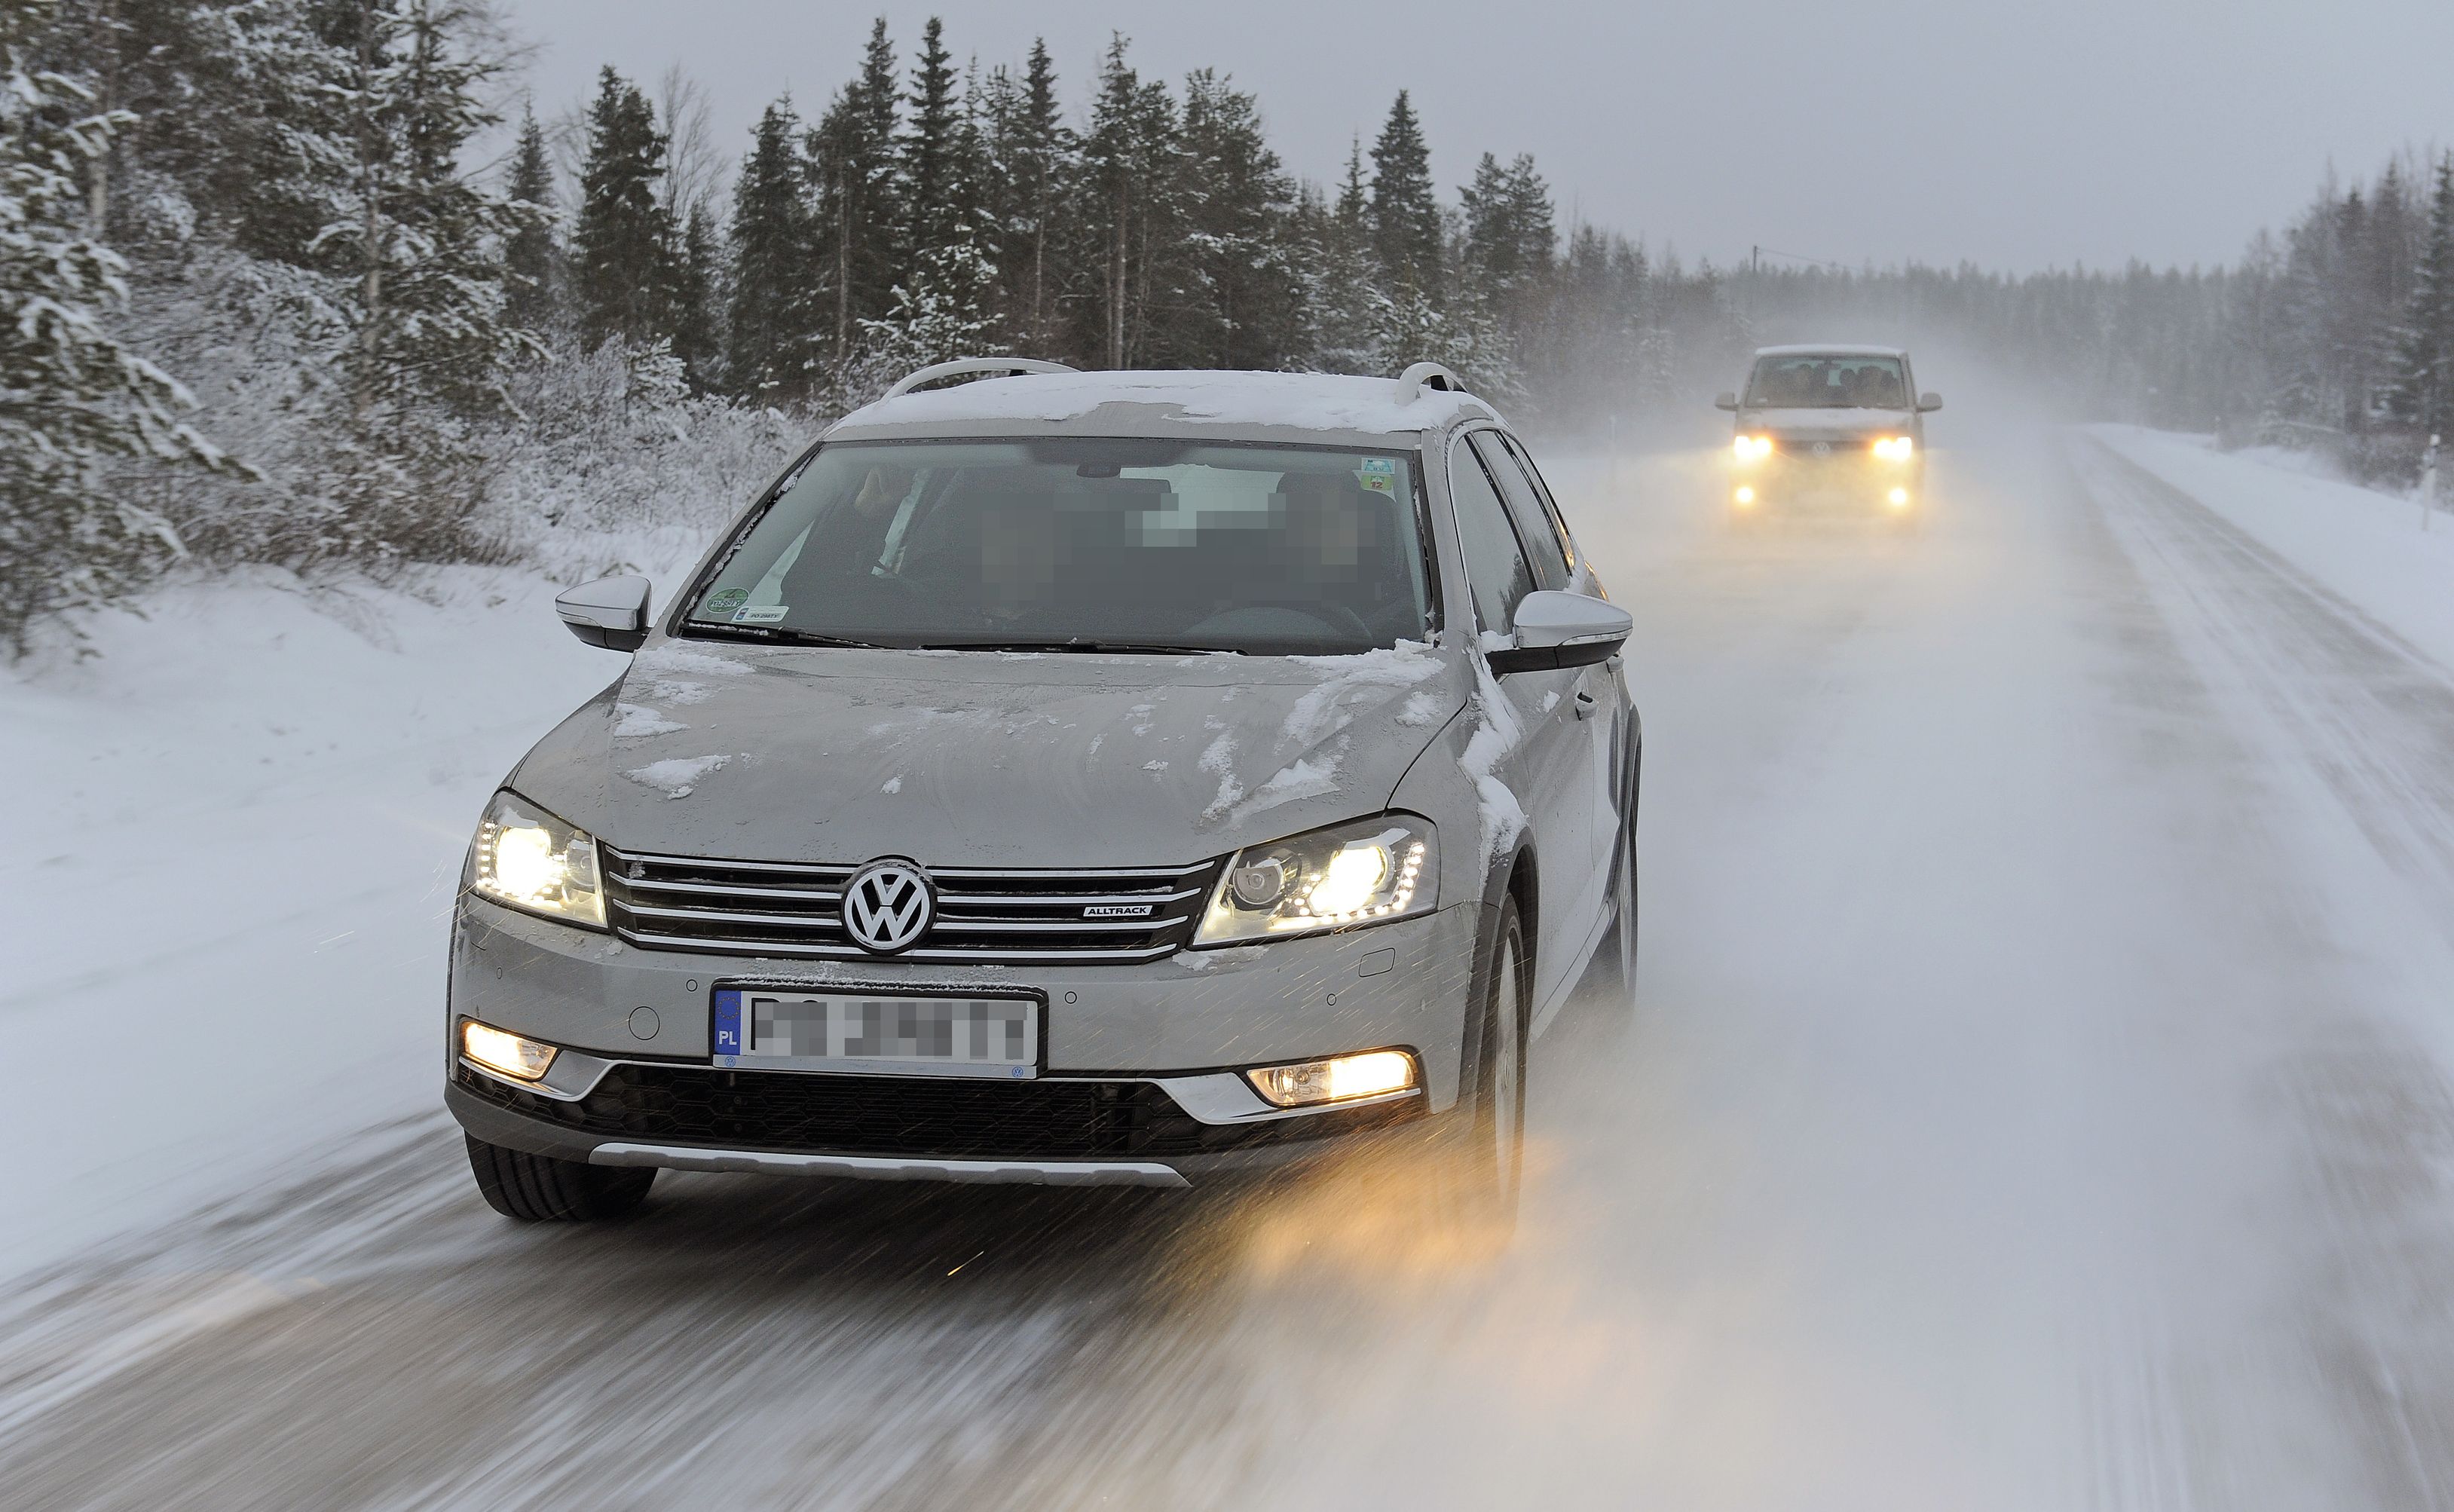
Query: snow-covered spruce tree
[1029, 152]
[529, 259]
[71, 397]
[1125, 224]
[940, 313]
[696, 314]
[1247, 304]
[2426, 389]
[1343, 280]
[417, 244]
[621, 245]
[1405, 213]
[775, 313]
[852, 166]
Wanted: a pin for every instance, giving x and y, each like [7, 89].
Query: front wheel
[1483, 1161]
[540, 1189]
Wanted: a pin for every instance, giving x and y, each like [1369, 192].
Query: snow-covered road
[2037, 1097]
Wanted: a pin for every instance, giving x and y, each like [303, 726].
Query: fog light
[1372, 1074]
[497, 1050]
[1746, 496]
[1899, 498]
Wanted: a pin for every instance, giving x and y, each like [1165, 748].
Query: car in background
[1066, 778]
[1835, 430]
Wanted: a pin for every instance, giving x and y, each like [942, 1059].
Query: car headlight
[1752, 448]
[1895, 448]
[527, 859]
[1369, 871]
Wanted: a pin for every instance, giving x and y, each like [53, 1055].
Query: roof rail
[963, 365]
[1423, 377]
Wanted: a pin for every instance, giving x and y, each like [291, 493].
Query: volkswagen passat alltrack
[1068, 778]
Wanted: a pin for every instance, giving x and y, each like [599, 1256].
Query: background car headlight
[1365, 873]
[1752, 448]
[527, 859]
[1895, 448]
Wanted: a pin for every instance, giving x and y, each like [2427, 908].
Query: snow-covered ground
[2366, 546]
[232, 839]
[2037, 1095]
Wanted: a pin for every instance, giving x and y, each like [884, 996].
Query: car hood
[985, 758]
[1828, 425]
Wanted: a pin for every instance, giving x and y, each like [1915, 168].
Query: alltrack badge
[888, 904]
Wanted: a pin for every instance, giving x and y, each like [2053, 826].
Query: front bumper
[1849, 480]
[1140, 1084]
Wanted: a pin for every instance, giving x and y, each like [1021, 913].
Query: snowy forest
[310, 283]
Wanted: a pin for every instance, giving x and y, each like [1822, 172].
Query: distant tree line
[264, 297]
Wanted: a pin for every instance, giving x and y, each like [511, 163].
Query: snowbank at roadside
[2363, 545]
[230, 845]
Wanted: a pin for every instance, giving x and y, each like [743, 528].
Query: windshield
[1807, 381]
[1082, 545]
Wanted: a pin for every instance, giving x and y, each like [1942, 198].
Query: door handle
[1584, 704]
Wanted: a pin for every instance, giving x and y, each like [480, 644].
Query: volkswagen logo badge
[888, 904]
[1822, 449]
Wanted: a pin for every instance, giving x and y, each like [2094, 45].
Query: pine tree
[417, 238]
[1125, 219]
[1344, 287]
[1246, 310]
[621, 248]
[2426, 358]
[774, 315]
[852, 163]
[1405, 213]
[934, 190]
[1028, 150]
[696, 319]
[71, 397]
[529, 259]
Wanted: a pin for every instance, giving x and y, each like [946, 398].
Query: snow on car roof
[1831, 349]
[1128, 402]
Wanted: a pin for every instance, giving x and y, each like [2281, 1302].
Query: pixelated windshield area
[1084, 544]
[1835, 381]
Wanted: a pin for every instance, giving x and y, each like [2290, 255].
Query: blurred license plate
[878, 1032]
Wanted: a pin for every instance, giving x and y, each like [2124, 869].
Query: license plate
[878, 1032]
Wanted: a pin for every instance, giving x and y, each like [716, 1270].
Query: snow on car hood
[1827, 424]
[985, 758]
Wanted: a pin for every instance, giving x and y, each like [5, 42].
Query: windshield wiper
[779, 632]
[1078, 643]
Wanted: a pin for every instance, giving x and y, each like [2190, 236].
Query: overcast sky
[2016, 135]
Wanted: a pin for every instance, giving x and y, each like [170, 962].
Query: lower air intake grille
[942, 1118]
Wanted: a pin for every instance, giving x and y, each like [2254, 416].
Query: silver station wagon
[1070, 779]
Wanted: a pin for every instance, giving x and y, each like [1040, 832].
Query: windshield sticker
[759, 614]
[724, 601]
[1378, 474]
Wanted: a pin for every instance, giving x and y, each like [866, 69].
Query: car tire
[540, 1189]
[1482, 1160]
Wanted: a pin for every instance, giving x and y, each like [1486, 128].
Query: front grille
[1843, 451]
[987, 914]
[940, 1118]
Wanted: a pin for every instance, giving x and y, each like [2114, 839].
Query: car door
[1591, 693]
[1545, 770]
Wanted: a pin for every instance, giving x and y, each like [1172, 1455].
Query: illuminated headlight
[511, 1053]
[527, 859]
[1895, 448]
[1373, 1074]
[1365, 873]
[1751, 448]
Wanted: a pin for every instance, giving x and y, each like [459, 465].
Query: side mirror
[1562, 630]
[1928, 402]
[1726, 401]
[611, 612]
